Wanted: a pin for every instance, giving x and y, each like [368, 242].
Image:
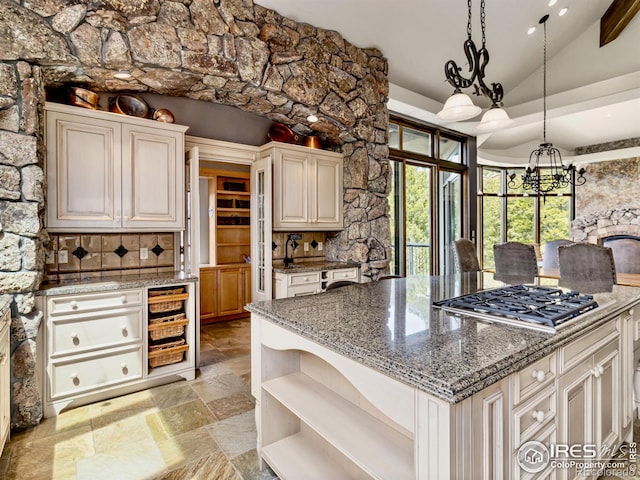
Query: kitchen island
[370, 381]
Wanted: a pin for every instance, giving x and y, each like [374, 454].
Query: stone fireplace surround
[230, 52]
[594, 227]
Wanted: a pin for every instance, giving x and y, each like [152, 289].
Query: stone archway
[225, 51]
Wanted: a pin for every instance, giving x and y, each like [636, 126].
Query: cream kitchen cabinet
[307, 188]
[310, 282]
[5, 380]
[107, 171]
[98, 345]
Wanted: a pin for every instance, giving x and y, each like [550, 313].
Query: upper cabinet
[107, 171]
[307, 193]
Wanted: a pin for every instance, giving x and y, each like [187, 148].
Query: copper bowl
[128, 104]
[81, 97]
[281, 133]
[163, 115]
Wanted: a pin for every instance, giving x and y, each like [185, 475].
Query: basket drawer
[167, 353]
[166, 303]
[166, 327]
[60, 305]
[97, 330]
[104, 369]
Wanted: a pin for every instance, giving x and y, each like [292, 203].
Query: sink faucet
[292, 237]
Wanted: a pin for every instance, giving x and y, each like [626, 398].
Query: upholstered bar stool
[515, 263]
[586, 268]
[464, 253]
[550, 256]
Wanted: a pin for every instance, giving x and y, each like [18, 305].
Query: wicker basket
[165, 327]
[167, 353]
[166, 303]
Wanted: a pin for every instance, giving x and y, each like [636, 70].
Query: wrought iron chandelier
[556, 176]
[459, 106]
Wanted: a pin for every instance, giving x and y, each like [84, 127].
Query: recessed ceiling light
[563, 11]
[531, 30]
[123, 74]
[312, 118]
[552, 2]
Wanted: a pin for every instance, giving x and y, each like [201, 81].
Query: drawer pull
[123, 299]
[74, 305]
[124, 330]
[598, 371]
[124, 368]
[306, 279]
[538, 415]
[75, 379]
[538, 375]
[75, 339]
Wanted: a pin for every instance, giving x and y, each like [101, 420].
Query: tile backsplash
[94, 255]
[315, 252]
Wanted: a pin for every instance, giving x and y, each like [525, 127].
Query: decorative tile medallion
[157, 250]
[121, 251]
[79, 253]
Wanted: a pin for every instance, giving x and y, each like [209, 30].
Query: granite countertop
[313, 266]
[391, 327]
[5, 303]
[114, 282]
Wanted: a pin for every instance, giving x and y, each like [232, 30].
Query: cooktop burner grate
[546, 306]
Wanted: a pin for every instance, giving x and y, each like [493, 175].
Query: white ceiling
[593, 94]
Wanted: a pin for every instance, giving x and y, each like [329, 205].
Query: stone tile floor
[203, 429]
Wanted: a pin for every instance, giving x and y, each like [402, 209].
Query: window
[426, 197]
[512, 214]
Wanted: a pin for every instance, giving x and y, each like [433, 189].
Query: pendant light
[459, 106]
[546, 172]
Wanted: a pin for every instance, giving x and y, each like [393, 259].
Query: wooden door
[152, 178]
[83, 173]
[208, 293]
[326, 192]
[230, 286]
[291, 192]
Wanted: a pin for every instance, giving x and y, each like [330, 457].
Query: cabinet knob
[75, 379]
[306, 279]
[124, 368]
[124, 330]
[598, 371]
[74, 305]
[538, 375]
[75, 339]
[538, 415]
[123, 299]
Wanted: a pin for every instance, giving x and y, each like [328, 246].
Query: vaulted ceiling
[593, 92]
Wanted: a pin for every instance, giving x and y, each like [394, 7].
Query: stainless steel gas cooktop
[540, 308]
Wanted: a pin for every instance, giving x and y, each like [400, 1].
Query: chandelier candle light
[556, 175]
[459, 106]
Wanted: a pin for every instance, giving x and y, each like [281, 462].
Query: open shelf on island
[376, 448]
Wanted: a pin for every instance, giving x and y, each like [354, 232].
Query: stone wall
[610, 185]
[226, 51]
[609, 202]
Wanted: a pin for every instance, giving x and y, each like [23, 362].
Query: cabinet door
[152, 178]
[229, 291]
[291, 192]
[575, 410]
[607, 402]
[326, 192]
[208, 294]
[83, 172]
[246, 282]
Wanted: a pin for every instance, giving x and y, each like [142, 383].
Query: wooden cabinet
[5, 379]
[307, 188]
[103, 344]
[589, 393]
[309, 283]
[112, 172]
[224, 291]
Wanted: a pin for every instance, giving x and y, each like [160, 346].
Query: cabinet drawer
[576, 351]
[94, 301]
[90, 372]
[303, 278]
[531, 417]
[350, 274]
[75, 334]
[546, 437]
[301, 290]
[535, 377]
